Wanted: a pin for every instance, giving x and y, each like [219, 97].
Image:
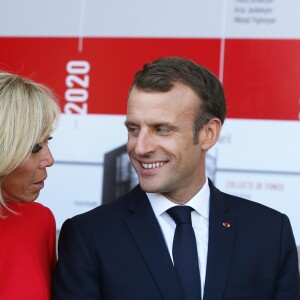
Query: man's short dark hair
[161, 75]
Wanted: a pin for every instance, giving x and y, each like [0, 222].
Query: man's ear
[210, 133]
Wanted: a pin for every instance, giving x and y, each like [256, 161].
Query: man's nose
[145, 143]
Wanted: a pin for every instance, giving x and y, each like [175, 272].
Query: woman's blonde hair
[28, 114]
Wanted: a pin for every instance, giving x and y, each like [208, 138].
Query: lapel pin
[226, 224]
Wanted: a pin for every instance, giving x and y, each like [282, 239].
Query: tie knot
[181, 214]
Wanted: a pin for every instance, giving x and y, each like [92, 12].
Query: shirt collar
[200, 202]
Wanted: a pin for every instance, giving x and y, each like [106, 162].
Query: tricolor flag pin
[226, 224]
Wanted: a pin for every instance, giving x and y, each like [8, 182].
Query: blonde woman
[28, 114]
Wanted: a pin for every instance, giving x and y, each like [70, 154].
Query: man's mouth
[153, 165]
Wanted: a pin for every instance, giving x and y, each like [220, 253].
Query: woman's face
[26, 181]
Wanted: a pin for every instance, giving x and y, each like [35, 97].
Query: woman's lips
[39, 184]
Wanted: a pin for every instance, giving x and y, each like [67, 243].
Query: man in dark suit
[129, 249]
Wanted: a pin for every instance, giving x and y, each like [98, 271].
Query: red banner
[261, 77]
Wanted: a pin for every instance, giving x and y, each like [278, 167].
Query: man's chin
[149, 188]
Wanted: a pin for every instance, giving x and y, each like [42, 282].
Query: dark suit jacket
[117, 252]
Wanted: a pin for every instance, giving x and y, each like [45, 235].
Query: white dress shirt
[200, 221]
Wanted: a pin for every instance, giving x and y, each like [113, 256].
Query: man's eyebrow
[154, 124]
[129, 123]
[165, 124]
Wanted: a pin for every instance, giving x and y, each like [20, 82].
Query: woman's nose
[47, 158]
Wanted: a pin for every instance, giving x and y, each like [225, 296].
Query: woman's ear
[210, 133]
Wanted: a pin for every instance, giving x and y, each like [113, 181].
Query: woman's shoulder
[29, 206]
[30, 210]
[39, 208]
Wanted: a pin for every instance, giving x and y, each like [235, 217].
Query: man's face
[26, 181]
[160, 142]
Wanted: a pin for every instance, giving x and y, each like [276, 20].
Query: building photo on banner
[87, 52]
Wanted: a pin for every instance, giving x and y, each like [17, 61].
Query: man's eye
[162, 130]
[132, 129]
[36, 148]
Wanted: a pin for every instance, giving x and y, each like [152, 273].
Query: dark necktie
[185, 254]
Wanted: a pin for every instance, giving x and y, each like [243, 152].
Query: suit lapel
[222, 229]
[146, 232]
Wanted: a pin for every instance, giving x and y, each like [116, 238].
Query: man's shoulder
[245, 207]
[111, 211]
[250, 205]
[253, 218]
